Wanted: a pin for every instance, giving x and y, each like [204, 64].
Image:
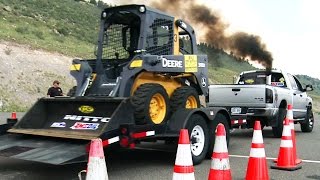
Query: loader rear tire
[150, 102]
[184, 97]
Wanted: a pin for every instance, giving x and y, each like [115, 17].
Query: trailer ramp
[45, 150]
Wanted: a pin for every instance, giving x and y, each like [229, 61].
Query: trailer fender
[180, 118]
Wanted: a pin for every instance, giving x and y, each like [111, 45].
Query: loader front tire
[184, 97]
[150, 102]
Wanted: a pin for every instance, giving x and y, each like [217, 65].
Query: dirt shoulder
[26, 74]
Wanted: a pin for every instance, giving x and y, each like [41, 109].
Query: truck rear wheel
[307, 125]
[199, 137]
[184, 97]
[150, 102]
[277, 131]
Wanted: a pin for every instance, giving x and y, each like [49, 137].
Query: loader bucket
[81, 118]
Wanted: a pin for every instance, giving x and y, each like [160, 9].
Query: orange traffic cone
[97, 169]
[183, 168]
[286, 159]
[257, 165]
[293, 134]
[220, 167]
[13, 115]
[13, 119]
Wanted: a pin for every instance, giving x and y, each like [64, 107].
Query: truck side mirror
[309, 87]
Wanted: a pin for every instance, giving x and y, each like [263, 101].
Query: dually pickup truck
[264, 95]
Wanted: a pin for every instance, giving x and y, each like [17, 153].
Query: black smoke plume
[241, 44]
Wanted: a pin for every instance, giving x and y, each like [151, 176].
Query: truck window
[292, 82]
[253, 78]
[278, 80]
[300, 88]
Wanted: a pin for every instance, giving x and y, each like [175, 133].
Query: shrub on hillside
[63, 30]
[39, 34]
[22, 29]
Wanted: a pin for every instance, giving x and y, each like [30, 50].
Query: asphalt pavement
[156, 160]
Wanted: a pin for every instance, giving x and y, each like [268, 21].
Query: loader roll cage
[130, 30]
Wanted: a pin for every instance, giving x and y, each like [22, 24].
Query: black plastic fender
[180, 118]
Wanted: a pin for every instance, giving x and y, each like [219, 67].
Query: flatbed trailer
[56, 132]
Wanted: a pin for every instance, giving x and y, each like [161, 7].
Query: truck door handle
[294, 94]
[300, 95]
[235, 89]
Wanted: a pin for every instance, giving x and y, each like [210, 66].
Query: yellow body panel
[169, 84]
[75, 67]
[136, 63]
[191, 63]
[175, 39]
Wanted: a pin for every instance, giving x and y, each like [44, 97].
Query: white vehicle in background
[264, 95]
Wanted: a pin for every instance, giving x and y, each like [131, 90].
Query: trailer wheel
[199, 137]
[277, 131]
[307, 125]
[184, 97]
[220, 118]
[150, 102]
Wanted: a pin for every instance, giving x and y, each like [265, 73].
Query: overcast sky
[289, 28]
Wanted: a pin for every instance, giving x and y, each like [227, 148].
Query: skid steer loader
[144, 84]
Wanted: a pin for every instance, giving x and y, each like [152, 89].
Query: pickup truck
[264, 95]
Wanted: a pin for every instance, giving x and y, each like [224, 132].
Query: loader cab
[137, 29]
[127, 32]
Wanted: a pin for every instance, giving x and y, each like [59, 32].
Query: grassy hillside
[315, 94]
[64, 26]
[71, 28]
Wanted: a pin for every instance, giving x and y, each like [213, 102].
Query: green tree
[93, 2]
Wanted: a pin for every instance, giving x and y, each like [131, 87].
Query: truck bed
[237, 95]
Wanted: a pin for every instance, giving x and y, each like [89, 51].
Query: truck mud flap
[45, 150]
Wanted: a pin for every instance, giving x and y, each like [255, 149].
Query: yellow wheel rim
[191, 102]
[157, 108]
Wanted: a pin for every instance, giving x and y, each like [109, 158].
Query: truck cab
[264, 95]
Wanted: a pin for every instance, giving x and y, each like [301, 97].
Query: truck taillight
[269, 96]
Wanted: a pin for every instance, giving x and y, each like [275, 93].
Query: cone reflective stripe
[294, 143]
[183, 168]
[289, 116]
[257, 165]
[293, 134]
[286, 159]
[97, 169]
[220, 166]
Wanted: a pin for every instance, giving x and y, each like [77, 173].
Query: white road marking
[303, 160]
